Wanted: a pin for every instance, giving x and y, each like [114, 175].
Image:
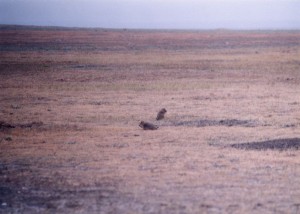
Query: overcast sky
[170, 14]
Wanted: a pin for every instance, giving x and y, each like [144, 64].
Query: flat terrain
[71, 101]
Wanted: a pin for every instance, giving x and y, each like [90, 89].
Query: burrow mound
[278, 144]
[227, 122]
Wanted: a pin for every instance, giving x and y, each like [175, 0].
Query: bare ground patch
[278, 144]
[225, 122]
[37, 124]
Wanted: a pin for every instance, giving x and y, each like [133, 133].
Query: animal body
[161, 114]
[147, 126]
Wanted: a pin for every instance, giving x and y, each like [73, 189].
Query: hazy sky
[178, 14]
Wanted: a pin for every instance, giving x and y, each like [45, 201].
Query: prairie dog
[161, 114]
[147, 126]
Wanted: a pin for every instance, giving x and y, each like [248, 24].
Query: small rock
[4, 204]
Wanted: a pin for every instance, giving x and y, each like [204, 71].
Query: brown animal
[148, 126]
[161, 114]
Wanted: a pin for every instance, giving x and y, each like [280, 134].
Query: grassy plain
[71, 101]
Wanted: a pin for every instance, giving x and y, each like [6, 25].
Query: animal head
[163, 110]
[141, 124]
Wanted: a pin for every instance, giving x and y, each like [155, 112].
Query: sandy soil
[71, 101]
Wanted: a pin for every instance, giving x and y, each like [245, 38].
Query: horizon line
[3, 26]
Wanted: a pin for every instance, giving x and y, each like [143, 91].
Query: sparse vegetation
[71, 101]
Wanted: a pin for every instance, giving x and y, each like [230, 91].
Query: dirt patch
[278, 144]
[227, 122]
[30, 125]
[4, 125]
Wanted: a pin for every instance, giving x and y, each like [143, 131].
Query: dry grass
[90, 89]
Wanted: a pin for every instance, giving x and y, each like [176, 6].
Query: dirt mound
[278, 144]
[227, 122]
